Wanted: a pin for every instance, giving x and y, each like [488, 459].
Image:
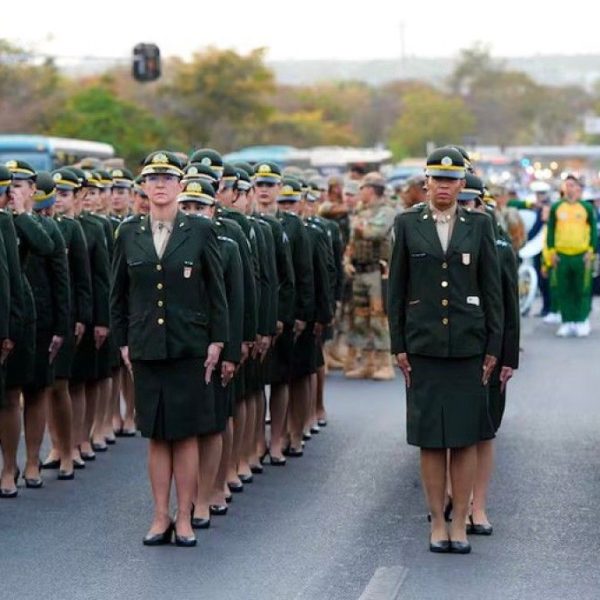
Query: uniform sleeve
[80, 273]
[303, 273]
[379, 225]
[264, 272]
[512, 319]
[17, 299]
[249, 334]
[397, 288]
[59, 278]
[119, 292]
[218, 319]
[551, 227]
[322, 284]
[488, 272]
[33, 235]
[100, 272]
[285, 276]
[4, 293]
[235, 300]
[273, 278]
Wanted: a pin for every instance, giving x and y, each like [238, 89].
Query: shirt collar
[443, 216]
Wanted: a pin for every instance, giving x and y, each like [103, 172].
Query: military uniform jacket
[335, 236]
[49, 279]
[235, 232]
[330, 256]
[319, 251]
[302, 264]
[15, 278]
[445, 305]
[172, 307]
[271, 266]
[99, 269]
[79, 269]
[4, 294]
[509, 355]
[234, 291]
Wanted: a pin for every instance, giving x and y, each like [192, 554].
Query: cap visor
[446, 174]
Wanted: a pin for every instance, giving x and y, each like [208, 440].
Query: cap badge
[193, 170]
[194, 186]
[11, 164]
[264, 169]
[160, 158]
[206, 161]
[57, 177]
[287, 189]
[117, 173]
[446, 161]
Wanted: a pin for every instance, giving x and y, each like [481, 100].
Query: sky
[308, 29]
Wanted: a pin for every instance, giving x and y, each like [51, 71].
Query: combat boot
[365, 369]
[384, 369]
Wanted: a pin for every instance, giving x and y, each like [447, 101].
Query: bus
[49, 153]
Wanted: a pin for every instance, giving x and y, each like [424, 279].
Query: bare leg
[78, 403]
[485, 466]
[433, 475]
[128, 396]
[259, 435]
[35, 404]
[239, 427]
[209, 451]
[114, 404]
[185, 470]
[160, 469]
[278, 405]
[10, 433]
[217, 496]
[299, 405]
[103, 396]
[91, 394]
[311, 413]
[60, 423]
[463, 466]
[248, 437]
[321, 412]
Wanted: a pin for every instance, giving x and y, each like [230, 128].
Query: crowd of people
[193, 303]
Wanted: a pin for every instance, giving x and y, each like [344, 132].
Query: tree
[429, 116]
[220, 97]
[95, 113]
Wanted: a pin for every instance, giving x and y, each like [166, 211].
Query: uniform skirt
[104, 361]
[252, 382]
[172, 401]
[21, 361]
[497, 400]
[65, 356]
[304, 357]
[43, 371]
[447, 405]
[223, 400]
[85, 361]
[281, 361]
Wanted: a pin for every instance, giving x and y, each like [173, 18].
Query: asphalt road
[346, 521]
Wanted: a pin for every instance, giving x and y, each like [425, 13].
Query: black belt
[366, 267]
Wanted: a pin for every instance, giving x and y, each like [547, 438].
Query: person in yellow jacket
[572, 239]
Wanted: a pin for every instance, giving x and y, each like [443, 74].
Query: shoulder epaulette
[224, 238]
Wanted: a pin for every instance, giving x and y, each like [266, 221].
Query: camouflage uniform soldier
[367, 257]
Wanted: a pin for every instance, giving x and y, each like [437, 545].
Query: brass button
[444, 302]
[445, 321]
[160, 303]
[159, 267]
[444, 265]
[159, 286]
[444, 284]
[161, 321]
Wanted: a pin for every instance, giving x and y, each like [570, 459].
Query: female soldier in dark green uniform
[13, 306]
[49, 279]
[170, 319]
[60, 415]
[198, 198]
[445, 314]
[472, 197]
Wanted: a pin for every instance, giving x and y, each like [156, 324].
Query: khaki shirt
[444, 224]
[161, 232]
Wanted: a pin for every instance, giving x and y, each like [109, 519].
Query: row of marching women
[190, 304]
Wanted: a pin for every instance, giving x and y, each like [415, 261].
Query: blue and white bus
[48, 153]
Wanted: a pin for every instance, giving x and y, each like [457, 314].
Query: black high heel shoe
[460, 547]
[257, 469]
[160, 539]
[440, 547]
[51, 464]
[11, 493]
[478, 528]
[246, 478]
[65, 475]
[234, 488]
[218, 510]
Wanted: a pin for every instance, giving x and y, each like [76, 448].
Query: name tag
[418, 255]
[466, 259]
[474, 300]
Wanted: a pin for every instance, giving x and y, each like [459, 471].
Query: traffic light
[146, 62]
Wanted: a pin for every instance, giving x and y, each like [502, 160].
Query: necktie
[160, 239]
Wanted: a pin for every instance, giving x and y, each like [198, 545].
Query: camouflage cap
[373, 179]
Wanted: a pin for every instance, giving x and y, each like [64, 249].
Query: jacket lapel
[179, 234]
[427, 230]
[143, 239]
[462, 227]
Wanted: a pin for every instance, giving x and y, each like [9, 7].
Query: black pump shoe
[185, 542]
[478, 528]
[51, 464]
[160, 539]
[65, 475]
[218, 510]
[278, 462]
[200, 523]
[460, 547]
[441, 547]
[246, 478]
[257, 469]
[234, 488]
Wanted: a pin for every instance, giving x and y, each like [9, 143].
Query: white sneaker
[552, 319]
[583, 329]
[564, 330]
